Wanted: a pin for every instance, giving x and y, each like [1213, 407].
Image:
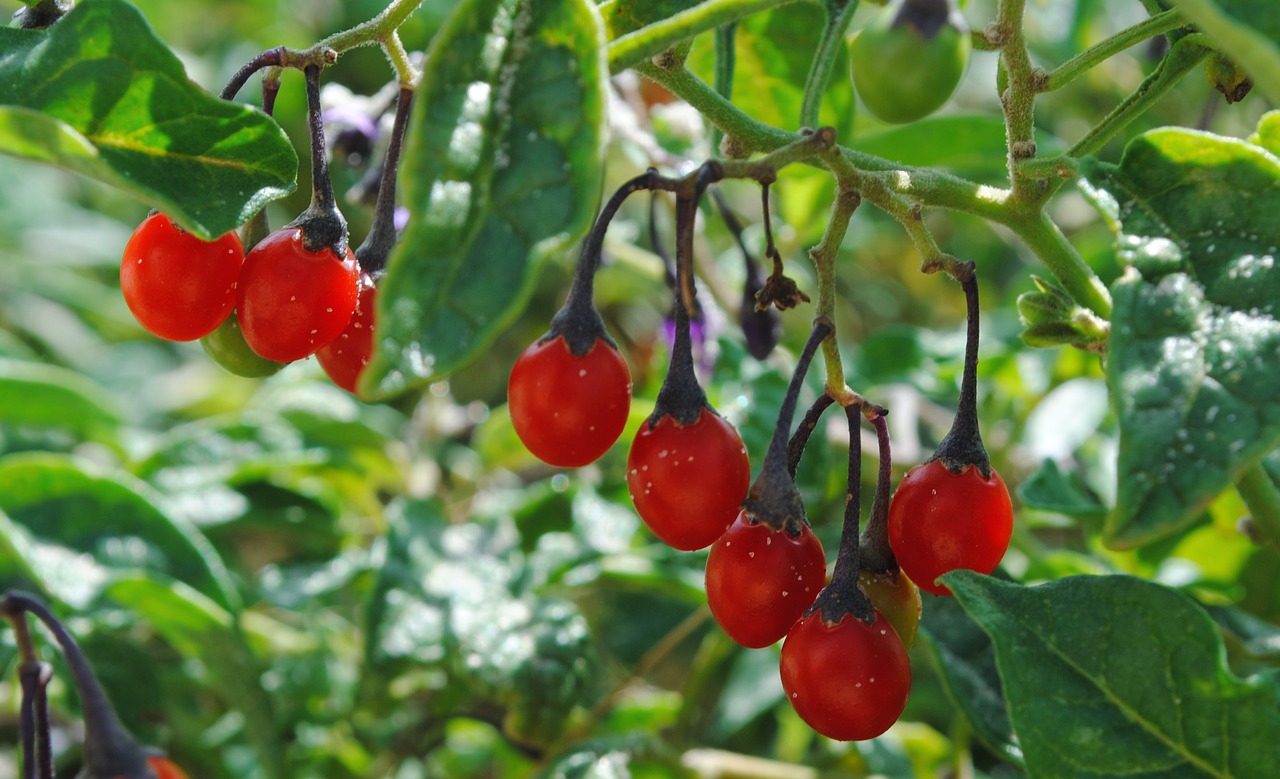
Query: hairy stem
[1262, 497]
[639, 45]
[1080, 64]
[824, 59]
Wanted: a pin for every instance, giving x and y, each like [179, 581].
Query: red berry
[344, 358]
[165, 769]
[940, 521]
[848, 681]
[569, 410]
[292, 301]
[760, 580]
[687, 481]
[178, 286]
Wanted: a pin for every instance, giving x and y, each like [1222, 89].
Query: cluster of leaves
[275, 579]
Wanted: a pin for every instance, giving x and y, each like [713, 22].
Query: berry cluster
[299, 291]
[844, 662]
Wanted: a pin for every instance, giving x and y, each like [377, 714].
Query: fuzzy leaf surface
[1110, 676]
[502, 170]
[99, 94]
[1196, 323]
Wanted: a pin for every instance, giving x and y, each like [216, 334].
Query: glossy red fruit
[760, 580]
[178, 286]
[687, 481]
[569, 410]
[940, 521]
[165, 769]
[848, 681]
[291, 301]
[344, 358]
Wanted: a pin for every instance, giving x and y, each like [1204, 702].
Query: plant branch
[726, 61]
[635, 47]
[1018, 100]
[1080, 64]
[1262, 497]
[1184, 55]
[839, 14]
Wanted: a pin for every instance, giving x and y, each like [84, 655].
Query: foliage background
[367, 587]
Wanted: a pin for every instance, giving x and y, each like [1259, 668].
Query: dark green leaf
[1111, 676]
[1050, 489]
[1258, 638]
[966, 663]
[1195, 335]
[108, 517]
[99, 94]
[41, 396]
[502, 170]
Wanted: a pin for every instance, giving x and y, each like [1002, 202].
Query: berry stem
[681, 397]
[762, 329]
[800, 438]
[578, 321]
[373, 252]
[962, 446]
[29, 679]
[323, 226]
[43, 729]
[876, 555]
[773, 497]
[267, 59]
[109, 750]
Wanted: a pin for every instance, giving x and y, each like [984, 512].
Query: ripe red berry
[178, 286]
[344, 358]
[760, 580]
[687, 481]
[940, 521]
[292, 301]
[569, 410]
[165, 769]
[849, 681]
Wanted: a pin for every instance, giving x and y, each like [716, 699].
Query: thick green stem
[725, 63]
[839, 14]
[1260, 494]
[1019, 100]
[1080, 64]
[1184, 55]
[1044, 238]
[824, 261]
[635, 47]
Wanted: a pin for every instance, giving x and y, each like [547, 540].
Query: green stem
[725, 63]
[1080, 64]
[1184, 55]
[1044, 238]
[824, 261]
[839, 14]
[400, 62]
[635, 47]
[1261, 496]
[1019, 100]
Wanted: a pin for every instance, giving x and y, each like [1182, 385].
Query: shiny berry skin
[165, 769]
[687, 481]
[940, 522]
[897, 598]
[226, 347]
[344, 358]
[292, 301]
[760, 580]
[178, 286]
[569, 410]
[848, 681]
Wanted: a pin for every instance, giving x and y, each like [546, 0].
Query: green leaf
[502, 170]
[108, 517]
[1050, 489]
[1247, 30]
[1111, 676]
[966, 663]
[99, 94]
[43, 396]
[625, 16]
[1195, 335]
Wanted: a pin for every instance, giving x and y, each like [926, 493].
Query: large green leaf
[1113, 676]
[61, 501]
[1195, 336]
[44, 396]
[1246, 30]
[98, 93]
[502, 170]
